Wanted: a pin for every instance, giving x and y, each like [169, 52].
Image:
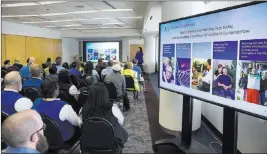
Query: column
[149, 53]
[171, 104]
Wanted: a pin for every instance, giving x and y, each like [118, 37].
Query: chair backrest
[111, 90]
[3, 116]
[3, 73]
[83, 96]
[129, 82]
[52, 133]
[97, 135]
[32, 93]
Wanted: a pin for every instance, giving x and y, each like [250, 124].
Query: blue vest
[32, 82]
[8, 100]
[52, 110]
[25, 71]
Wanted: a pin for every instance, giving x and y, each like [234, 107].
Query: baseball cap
[116, 67]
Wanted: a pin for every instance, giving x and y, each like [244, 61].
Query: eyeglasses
[43, 128]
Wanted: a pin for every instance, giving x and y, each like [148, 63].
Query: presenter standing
[139, 56]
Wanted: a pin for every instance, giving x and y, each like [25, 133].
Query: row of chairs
[97, 135]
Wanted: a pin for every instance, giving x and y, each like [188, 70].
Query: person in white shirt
[11, 100]
[58, 110]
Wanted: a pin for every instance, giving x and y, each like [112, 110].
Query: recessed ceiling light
[31, 3]
[115, 10]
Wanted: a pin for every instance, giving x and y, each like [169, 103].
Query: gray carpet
[137, 125]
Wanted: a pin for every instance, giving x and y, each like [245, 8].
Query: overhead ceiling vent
[108, 4]
[80, 6]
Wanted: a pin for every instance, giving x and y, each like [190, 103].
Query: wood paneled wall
[23, 47]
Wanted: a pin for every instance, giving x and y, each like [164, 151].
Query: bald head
[31, 60]
[12, 80]
[19, 127]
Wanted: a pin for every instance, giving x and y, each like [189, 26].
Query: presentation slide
[106, 50]
[219, 57]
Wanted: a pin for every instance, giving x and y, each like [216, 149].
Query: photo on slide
[252, 72]
[168, 63]
[224, 77]
[224, 69]
[201, 66]
[183, 63]
[90, 54]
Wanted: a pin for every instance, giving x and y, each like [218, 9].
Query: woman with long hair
[89, 71]
[139, 56]
[98, 105]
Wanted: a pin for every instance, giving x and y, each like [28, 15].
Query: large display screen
[220, 57]
[105, 50]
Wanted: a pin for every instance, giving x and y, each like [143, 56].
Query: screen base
[195, 146]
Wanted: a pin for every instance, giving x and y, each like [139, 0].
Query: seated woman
[98, 105]
[66, 86]
[56, 109]
[89, 71]
[130, 72]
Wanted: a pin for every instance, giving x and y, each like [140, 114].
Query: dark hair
[135, 61]
[52, 69]
[48, 88]
[88, 69]
[12, 68]
[125, 66]
[48, 60]
[66, 65]
[141, 49]
[82, 65]
[100, 60]
[97, 103]
[209, 61]
[110, 63]
[58, 61]
[73, 65]
[6, 62]
[63, 76]
[44, 66]
[28, 60]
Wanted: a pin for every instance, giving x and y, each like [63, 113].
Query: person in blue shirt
[137, 69]
[23, 132]
[107, 70]
[25, 70]
[139, 56]
[61, 112]
[58, 64]
[35, 80]
[74, 70]
[11, 100]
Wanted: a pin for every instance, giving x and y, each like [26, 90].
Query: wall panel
[3, 51]
[57, 48]
[47, 49]
[34, 49]
[15, 48]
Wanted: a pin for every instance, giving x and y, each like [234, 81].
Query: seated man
[35, 80]
[18, 64]
[119, 81]
[52, 73]
[23, 132]
[225, 84]
[11, 100]
[25, 70]
[56, 109]
[6, 64]
[75, 71]
[107, 70]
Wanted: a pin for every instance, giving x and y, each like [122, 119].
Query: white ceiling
[100, 19]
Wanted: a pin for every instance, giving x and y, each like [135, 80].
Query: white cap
[116, 67]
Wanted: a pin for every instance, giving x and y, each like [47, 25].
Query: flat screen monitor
[105, 50]
[219, 56]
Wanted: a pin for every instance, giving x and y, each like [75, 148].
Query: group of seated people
[53, 82]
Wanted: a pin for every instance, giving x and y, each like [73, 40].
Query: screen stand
[185, 143]
[229, 131]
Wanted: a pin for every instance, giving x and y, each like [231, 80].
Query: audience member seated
[137, 69]
[23, 132]
[48, 62]
[75, 71]
[25, 70]
[66, 65]
[82, 68]
[35, 80]
[58, 64]
[130, 72]
[89, 71]
[100, 66]
[52, 73]
[56, 109]
[98, 105]
[6, 64]
[11, 100]
[107, 70]
[12, 68]
[119, 82]
[18, 64]
[65, 84]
